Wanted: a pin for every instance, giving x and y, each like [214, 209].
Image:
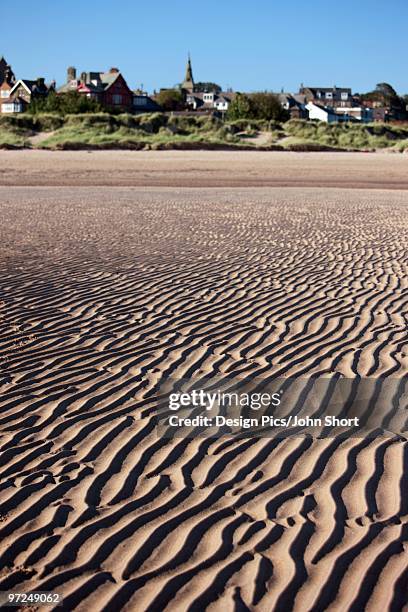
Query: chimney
[113, 70]
[40, 82]
[71, 74]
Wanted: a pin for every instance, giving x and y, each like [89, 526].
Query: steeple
[6, 73]
[188, 83]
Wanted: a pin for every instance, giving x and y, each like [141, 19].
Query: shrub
[267, 106]
[240, 107]
[64, 104]
[170, 99]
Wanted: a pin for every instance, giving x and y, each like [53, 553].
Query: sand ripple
[105, 293]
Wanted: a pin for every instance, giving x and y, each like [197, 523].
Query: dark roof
[149, 106]
[222, 99]
[32, 86]
[329, 89]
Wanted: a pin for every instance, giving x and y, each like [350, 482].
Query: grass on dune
[12, 140]
[143, 131]
[14, 134]
[159, 130]
[368, 136]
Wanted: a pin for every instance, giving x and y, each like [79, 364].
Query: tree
[386, 90]
[66, 103]
[267, 106]
[384, 95]
[260, 105]
[204, 86]
[170, 99]
[240, 107]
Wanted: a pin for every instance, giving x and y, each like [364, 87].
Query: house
[356, 113]
[222, 102]
[5, 89]
[22, 93]
[194, 101]
[295, 104]
[7, 81]
[210, 100]
[143, 103]
[327, 96]
[13, 105]
[203, 100]
[322, 113]
[108, 88]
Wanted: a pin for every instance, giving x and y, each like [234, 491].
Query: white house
[358, 113]
[322, 113]
[222, 103]
[210, 100]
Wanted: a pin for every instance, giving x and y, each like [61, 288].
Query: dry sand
[105, 290]
[204, 169]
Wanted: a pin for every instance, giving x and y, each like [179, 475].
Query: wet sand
[105, 291]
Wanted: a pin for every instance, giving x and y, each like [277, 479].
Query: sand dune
[104, 292]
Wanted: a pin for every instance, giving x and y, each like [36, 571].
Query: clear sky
[247, 45]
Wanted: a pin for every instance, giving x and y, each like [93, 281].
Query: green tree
[170, 99]
[260, 105]
[267, 106]
[66, 103]
[240, 107]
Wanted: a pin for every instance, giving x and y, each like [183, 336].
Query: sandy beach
[204, 169]
[119, 269]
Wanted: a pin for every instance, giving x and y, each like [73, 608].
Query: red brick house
[108, 88]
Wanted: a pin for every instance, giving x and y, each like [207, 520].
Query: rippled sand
[104, 290]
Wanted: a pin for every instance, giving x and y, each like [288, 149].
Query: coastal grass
[348, 136]
[147, 131]
[160, 130]
[12, 135]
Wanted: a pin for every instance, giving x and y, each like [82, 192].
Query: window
[11, 108]
[329, 95]
[4, 93]
[344, 95]
[116, 99]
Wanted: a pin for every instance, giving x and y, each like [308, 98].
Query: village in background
[109, 91]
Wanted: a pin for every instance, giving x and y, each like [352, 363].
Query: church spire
[188, 83]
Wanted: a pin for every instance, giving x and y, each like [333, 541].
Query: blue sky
[263, 44]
